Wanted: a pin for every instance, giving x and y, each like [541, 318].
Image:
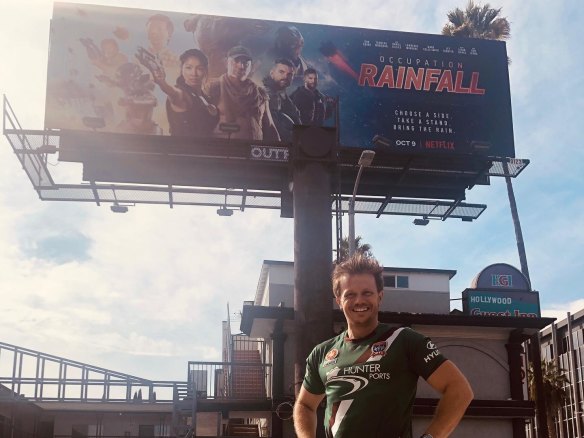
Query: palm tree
[555, 392]
[362, 248]
[477, 21]
[485, 22]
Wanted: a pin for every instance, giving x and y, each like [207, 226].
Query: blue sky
[144, 292]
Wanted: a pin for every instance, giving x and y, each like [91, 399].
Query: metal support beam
[313, 299]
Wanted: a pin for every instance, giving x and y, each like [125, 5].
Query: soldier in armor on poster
[243, 105]
[284, 112]
[314, 106]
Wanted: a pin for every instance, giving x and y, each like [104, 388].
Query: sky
[146, 291]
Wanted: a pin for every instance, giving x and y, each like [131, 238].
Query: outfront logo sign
[269, 153]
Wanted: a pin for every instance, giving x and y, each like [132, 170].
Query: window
[403, 281]
[146, 431]
[389, 281]
[396, 281]
[578, 338]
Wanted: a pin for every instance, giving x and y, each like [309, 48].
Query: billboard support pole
[313, 164]
[365, 160]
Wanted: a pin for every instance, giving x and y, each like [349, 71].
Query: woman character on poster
[187, 107]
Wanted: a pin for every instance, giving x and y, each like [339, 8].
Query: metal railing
[245, 343]
[231, 380]
[43, 377]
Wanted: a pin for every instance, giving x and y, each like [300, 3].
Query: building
[563, 343]
[489, 350]
[251, 391]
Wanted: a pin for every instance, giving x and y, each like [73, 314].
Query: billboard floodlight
[422, 222]
[379, 140]
[366, 158]
[224, 211]
[47, 149]
[117, 208]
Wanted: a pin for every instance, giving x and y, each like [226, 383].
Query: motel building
[251, 391]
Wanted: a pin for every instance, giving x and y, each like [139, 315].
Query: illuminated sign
[501, 303]
[133, 71]
[501, 276]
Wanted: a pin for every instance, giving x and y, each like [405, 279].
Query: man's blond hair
[357, 264]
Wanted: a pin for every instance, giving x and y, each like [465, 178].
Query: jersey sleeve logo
[331, 357]
[433, 351]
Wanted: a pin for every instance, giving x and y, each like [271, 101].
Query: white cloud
[153, 288]
[559, 310]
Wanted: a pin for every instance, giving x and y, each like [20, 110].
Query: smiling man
[369, 373]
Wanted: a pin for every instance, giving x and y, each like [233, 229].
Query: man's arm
[305, 413]
[456, 396]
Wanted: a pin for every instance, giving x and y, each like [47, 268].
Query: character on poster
[216, 35]
[458, 88]
[284, 112]
[243, 105]
[107, 58]
[137, 101]
[288, 44]
[159, 29]
[187, 107]
[314, 106]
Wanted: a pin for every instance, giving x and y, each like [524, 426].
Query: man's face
[109, 48]
[158, 33]
[295, 49]
[282, 75]
[311, 81]
[359, 299]
[238, 67]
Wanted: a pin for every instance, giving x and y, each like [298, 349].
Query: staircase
[248, 381]
[236, 427]
[184, 407]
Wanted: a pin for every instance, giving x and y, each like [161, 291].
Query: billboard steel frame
[34, 147]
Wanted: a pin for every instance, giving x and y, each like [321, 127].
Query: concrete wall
[281, 274]
[406, 300]
[470, 427]
[280, 293]
[480, 354]
[427, 292]
[113, 424]
[117, 424]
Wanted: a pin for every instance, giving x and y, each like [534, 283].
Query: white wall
[427, 292]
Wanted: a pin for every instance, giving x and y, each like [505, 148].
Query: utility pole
[535, 346]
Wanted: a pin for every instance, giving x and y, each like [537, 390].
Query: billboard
[517, 304]
[133, 71]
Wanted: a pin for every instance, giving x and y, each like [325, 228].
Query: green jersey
[370, 383]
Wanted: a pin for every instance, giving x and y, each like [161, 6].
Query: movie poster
[135, 71]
